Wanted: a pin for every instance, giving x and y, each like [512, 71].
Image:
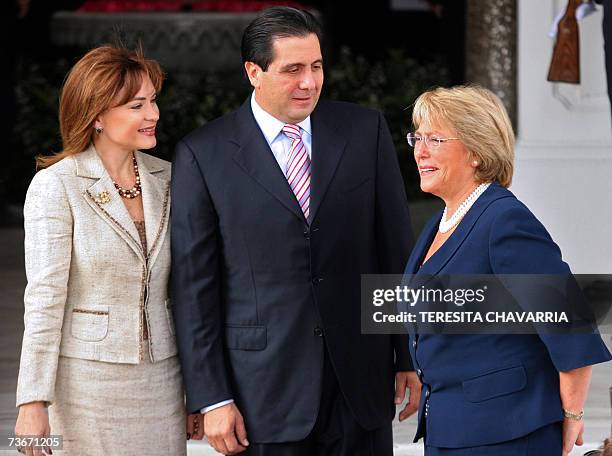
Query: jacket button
[414, 343]
[317, 280]
[318, 332]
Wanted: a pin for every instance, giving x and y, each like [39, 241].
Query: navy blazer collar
[439, 259]
[256, 158]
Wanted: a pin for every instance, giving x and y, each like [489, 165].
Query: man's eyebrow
[299, 64]
[289, 65]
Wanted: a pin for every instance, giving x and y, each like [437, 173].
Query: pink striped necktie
[298, 173]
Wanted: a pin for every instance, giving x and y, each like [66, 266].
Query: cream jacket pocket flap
[89, 323]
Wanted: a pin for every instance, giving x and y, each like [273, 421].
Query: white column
[564, 148]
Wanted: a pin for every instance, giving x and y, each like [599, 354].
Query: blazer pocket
[238, 337]
[169, 316]
[494, 384]
[89, 324]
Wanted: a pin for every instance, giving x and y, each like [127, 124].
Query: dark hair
[272, 23]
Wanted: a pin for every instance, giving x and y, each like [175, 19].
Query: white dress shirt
[280, 144]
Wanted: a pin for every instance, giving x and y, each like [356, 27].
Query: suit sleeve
[48, 251]
[393, 226]
[519, 244]
[195, 284]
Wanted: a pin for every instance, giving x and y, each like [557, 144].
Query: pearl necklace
[447, 225]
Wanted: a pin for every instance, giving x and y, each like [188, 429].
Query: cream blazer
[87, 273]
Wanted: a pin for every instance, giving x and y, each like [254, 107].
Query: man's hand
[224, 428]
[410, 380]
[572, 434]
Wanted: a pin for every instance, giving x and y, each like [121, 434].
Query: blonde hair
[481, 122]
[105, 77]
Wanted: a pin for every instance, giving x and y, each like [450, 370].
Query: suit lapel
[442, 256]
[103, 198]
[256, 158]
[422, 245]
[155, 202]
[327, 149]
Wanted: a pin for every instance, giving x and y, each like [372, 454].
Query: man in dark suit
[278, 208]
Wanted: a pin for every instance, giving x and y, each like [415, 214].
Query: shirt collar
[270, 125]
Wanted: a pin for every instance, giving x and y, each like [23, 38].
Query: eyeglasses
[432, 142]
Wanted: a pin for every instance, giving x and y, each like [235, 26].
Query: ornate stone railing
[180, 41]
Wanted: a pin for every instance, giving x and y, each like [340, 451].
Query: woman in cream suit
[98, 362]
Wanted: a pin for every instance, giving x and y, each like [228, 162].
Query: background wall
[564, 148]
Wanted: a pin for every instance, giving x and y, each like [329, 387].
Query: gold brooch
[102, 198]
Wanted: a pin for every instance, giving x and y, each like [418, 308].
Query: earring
[99, 130]
[475, 162]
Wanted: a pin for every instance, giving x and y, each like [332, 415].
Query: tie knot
[292, 131]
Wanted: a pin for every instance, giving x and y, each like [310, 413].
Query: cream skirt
[119, 409]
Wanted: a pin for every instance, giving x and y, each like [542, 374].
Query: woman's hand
[574, 385]
[195, 426]
[572, 434]
[33, 421]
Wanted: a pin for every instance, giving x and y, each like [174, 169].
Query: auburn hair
[105, 77]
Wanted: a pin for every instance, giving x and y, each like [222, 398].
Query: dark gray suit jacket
[259, 292]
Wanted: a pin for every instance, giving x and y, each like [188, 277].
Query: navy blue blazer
[484, 389]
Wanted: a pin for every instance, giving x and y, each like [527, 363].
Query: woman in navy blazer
[496, 394]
